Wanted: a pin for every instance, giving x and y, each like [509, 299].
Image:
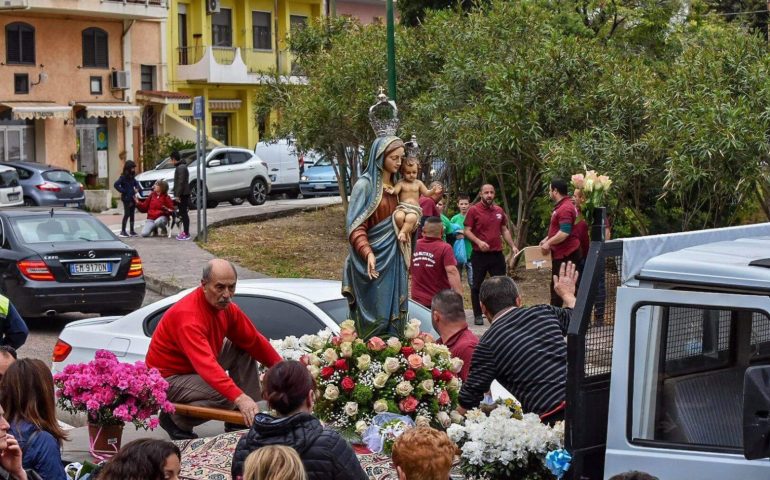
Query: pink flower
[418, 344]
[376, 344]
[347, 335]
[414, 360]
[408, 405]
[443, 398]
[426, 337]
[578, 180]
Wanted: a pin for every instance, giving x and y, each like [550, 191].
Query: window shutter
[27, 45]
[95, 48]
[12, 44]
[101, 58]
[88, 48]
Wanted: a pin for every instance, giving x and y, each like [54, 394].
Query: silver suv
[232, 174]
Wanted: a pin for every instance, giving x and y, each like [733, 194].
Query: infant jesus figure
[408, 191]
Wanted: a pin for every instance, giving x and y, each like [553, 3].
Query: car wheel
[237, 201]
[258, 192]
[194, 198]
[211, 203]
[28, 202]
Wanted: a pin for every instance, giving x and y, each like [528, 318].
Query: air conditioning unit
[120, 80]
[13, 4]
[212, 6]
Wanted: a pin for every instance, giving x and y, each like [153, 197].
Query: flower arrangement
[111, 392]
[383, 431]
[594, 187]
[505, 444]
[357, 380]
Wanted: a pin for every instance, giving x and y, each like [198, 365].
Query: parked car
[232, 174]
[320, 179]
[44, 185]
[278, 308]
[65, 260]
[286, 163]
[10, 190]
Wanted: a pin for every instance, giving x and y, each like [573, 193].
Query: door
[217, 176]
[241, 171]
[86, 136]
[220, 127]
[290, 165]
[678, 364]
[184, 57]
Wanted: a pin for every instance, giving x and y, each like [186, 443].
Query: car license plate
[319, 187]
[90, 268]
[72, 205]
[13, 196]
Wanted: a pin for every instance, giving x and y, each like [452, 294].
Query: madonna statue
[375, 278]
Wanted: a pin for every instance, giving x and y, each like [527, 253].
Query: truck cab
[669, 357]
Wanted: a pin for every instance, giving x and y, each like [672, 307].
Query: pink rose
[418, 344]
[443, 398]
[336, 341]
[408, 405]
[347, 335]
[376, 344]
[426, 337]
[414, 360]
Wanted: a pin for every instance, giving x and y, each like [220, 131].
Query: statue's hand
[371, 264]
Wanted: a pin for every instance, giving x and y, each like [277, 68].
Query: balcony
[122, 9]
[230, 65]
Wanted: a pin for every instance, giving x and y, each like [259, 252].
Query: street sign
[199, 107]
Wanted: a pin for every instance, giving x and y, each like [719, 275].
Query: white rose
[454, 384]
[391, 365]
[456, 417]
[351, 409]
[380, 406]
[330, 355]
[361, 427]
[427, 385]
[394, 342]
[444, 419]
[363, 362]
[404, 388]
[421, 421]
[430, 348]
[313, 359]
[411, 331]
[317, 343]
[331, 393]
[290, 342]
[346, 349]
[427, 361]
[380, 379]
[456, 365]
[348, 324]
[314, 371]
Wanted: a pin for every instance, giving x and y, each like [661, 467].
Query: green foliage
[158, 147]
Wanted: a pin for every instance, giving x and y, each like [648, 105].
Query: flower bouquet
[357, 380]
[593, 187]
[505, 444]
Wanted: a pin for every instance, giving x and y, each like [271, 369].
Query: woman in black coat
[290, 390]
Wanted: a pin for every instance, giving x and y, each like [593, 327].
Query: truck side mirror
[756, 412]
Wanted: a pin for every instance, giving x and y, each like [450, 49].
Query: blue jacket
[13, 330]
[40, 451]
[125, 185]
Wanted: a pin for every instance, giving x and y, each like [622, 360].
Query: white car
[232, 174]
[278, 308]
[10, 188]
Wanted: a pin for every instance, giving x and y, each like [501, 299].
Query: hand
[389, 189]
[483, 246]
[512, 257]
[564, 284]
[371, 266]
[10, 458]
[545, 249]
[248, 407]
[459, 235]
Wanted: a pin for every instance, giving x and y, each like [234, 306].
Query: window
[148, 77]
[20, 83]
[688, 377]
[95, 48]
[238, 157]
[277, 319]
[221, 28]
[96, 85]
[297, 22]
[261, 30]
[23, 173]
[19, 44]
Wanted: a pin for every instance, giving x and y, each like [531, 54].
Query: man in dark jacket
[324, 453]
[13, 329]
[182, 193]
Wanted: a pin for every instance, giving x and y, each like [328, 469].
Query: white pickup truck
[669, 357]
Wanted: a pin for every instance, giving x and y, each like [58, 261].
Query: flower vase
[104, 440]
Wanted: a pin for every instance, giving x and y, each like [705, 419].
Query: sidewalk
[171, 265]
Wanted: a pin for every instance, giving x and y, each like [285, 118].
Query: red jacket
[154, 204]
[189, 338]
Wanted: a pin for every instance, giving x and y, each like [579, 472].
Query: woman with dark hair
[128, 186]
[28, 402]
[144, 459]
[290, 390]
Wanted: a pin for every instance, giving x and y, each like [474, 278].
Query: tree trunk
[343, 162]
[764, 199]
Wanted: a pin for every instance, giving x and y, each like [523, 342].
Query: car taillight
[135, 270]
[61, 350]
[48, 187]
[35, 270]
[82, 188]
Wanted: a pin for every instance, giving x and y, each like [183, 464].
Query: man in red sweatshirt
[202, 338]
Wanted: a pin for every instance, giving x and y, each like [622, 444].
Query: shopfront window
[17, 140]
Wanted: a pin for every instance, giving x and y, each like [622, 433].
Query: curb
[166, 288]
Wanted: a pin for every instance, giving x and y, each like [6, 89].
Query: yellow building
[217, 49]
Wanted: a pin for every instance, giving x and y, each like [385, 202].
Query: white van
[10, 189]
[285, 164]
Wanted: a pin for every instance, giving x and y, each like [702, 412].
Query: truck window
[687, 368]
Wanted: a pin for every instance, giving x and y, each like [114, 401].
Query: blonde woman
[274, 462]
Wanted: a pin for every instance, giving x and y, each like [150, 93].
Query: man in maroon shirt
[448, 316]
[434, 266]
[485, 224]
[207, 350]
[561, 242]
[428, 203]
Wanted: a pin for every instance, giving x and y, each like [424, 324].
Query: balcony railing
[223, 55]
[190, 55]
[157, 3]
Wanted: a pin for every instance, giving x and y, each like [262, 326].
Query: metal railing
[190, 55]
[158, 3]
[223, 55]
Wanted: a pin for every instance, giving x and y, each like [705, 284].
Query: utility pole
[391, 32]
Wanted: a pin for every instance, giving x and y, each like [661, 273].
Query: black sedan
[64, 260]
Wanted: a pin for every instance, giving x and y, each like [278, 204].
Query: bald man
[207, 349]
[434, 267]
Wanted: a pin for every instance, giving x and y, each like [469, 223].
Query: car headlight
[304, 178]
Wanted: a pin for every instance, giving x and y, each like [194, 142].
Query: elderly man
[448, 318]
[434, 266]
[524, 349]
[199, 341]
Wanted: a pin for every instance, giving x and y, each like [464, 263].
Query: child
[158, 207]
[127, 185]
[408, 190]
[274, 462]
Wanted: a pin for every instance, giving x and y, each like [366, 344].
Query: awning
[162, 97]
[109, 110]
[37, 110]
[219, 104]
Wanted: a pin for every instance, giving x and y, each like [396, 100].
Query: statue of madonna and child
[376, 273]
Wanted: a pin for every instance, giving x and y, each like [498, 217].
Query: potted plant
[112, 393]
